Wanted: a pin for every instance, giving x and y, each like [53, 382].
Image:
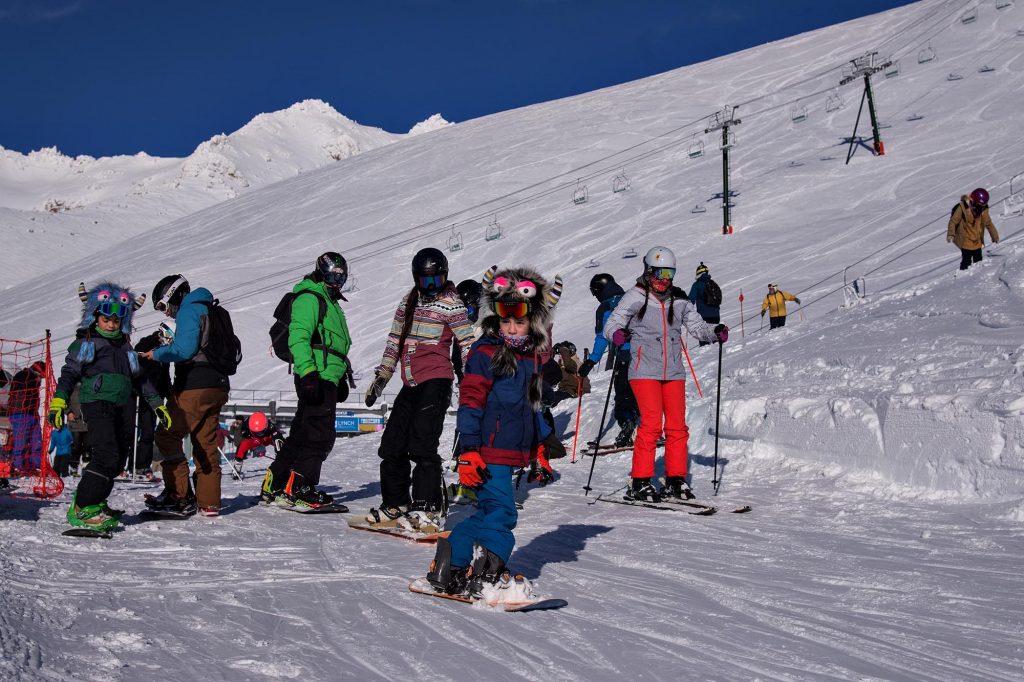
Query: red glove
[540, 469]
[472, 469]
[620, 337]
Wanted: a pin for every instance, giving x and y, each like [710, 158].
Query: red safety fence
[26, 387]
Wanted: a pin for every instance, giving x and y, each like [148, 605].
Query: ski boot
[110, 511]
[641, 490]
[676, 487]
[386, 517]
[167, 501]
[485, 571]
[625, 437]
[300, 493]
[444, 577]
[268, 491]
[91, 517]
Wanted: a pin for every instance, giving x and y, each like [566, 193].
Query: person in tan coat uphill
[775, 305]
[967, 225]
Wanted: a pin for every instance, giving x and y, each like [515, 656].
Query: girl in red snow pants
[662, 407]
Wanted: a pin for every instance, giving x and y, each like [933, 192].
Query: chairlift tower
[864, 67]
[723, 120]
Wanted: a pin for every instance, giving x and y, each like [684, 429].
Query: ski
[87, 533]
[397, 532]
[421, 586]
[665, 505]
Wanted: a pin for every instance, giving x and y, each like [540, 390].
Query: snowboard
[324, 509]
[421, 586]
[139, 480]
[152, 514]
[87, 533]
[398, 532]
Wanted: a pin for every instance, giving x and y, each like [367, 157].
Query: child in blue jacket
[60, 448]
[500, 429]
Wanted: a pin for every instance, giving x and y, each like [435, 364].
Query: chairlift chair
[580, 195]
[493, 230]
[795, 164]
[631, 253]
[986, 69]
[893, 69]
[798, 114]
[915, 117]
[350, 285]
[696, 149]
[1003, 4]
[970, 16]
[620, 183]
[455, 241]
[926, 55]
[729, 142]
[954, 77]
[592, 263]
[834, 101]
[699, 208]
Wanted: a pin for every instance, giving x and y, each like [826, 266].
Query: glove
[722, 333]
[342, 391]
[585, 367]
[796, 300]
[375, 389]
[472, 469]
[763, 312]
[949, 239]
[540, 469]
[308, 388]
[57, 408]
[163, 417]
[620, 337]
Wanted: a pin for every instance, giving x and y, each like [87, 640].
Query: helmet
[257, 423]
[332, 270]
[598, 282]
[980, 197]
[469, 292]
[569, 346]
[429, 270]
[701, 269]
[659, 257]
[169, 292]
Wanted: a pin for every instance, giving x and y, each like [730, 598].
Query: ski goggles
[112, 309]
[164, 302]
[663, 273]
[430, 282]
[512, 309]
[335, 278]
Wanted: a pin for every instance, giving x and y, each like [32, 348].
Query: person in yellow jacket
[775, 304]
[967, 225]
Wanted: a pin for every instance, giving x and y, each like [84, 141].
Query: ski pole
[687, 354]
[604, 413]
[718, 413]
[579, 406]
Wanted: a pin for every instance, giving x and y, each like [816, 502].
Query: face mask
[516, 342]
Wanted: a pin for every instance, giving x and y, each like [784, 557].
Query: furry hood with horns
[104, 291]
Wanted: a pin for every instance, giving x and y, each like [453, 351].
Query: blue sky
[105, 77]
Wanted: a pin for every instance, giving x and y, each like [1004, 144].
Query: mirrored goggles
[510, 309]
[112, 309]
[430, 282]
[335, 278]
[663, 273]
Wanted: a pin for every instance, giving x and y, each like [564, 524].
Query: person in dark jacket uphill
[200, 389]
[652, 316]
[501, 428]
[102, 359]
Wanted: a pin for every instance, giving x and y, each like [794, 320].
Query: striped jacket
[426, 353]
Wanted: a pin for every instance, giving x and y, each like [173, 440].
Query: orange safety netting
[26, 387]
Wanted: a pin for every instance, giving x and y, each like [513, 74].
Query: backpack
[223, 350]
[279, 333]
[712, 294]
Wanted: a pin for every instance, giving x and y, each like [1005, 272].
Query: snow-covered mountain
[879, 437]
[69, 206]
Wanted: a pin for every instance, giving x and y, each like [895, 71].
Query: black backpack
[279, 332]
[712, 294]
[223, 350]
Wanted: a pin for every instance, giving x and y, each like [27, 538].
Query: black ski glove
[585, 367]
[308, 388]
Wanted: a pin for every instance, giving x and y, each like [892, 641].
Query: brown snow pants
[195, 413]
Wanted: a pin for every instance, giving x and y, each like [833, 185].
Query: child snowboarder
[257, 432]
[651, 316]
[60, 448]
[501, 428]
[101, 357]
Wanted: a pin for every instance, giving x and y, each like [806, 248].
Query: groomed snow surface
[880, 442]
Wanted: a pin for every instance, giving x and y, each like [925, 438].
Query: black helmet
[429, 270]
[469, 291]
[332, 270]
[567, 345]
[598, 282]
[169, 292]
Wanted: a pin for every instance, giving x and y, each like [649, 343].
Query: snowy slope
[881, 444]
[49, 201]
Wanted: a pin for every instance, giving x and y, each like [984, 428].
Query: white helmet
[659, 257]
